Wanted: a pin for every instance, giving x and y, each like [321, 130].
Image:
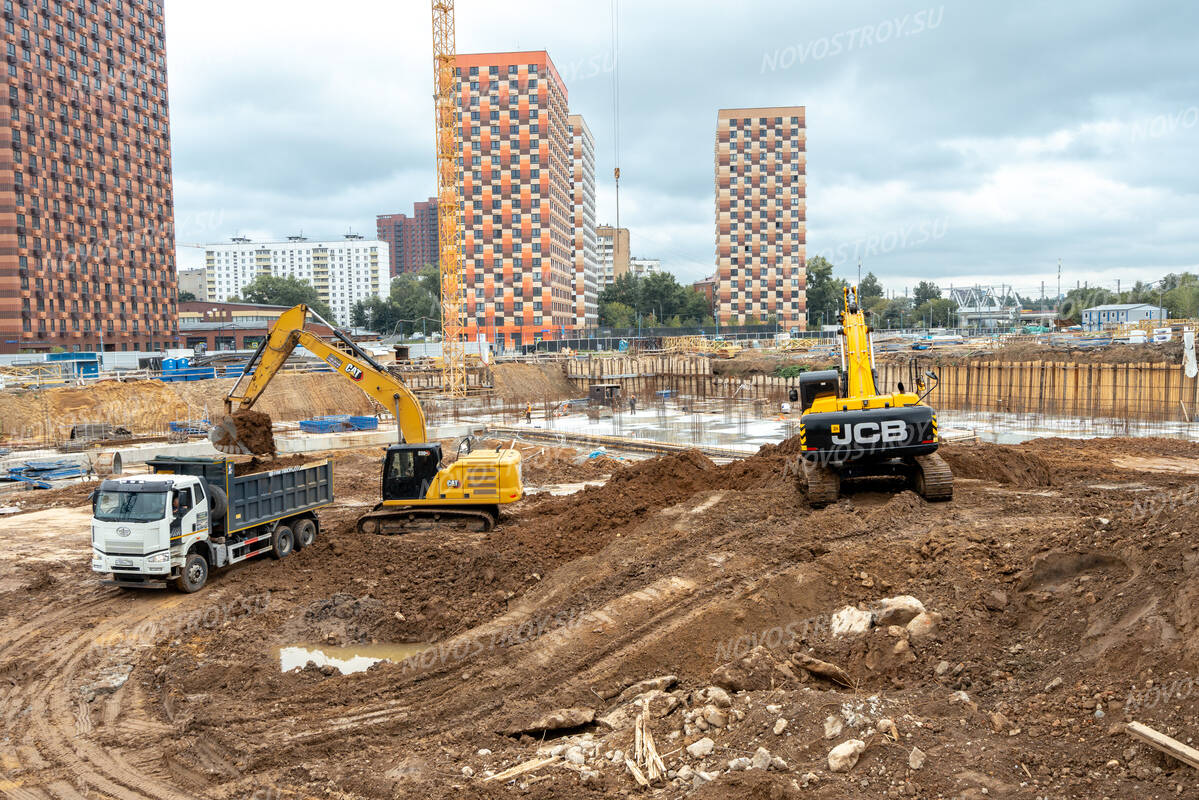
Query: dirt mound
[256, 465]
[529, 383]
[583, 523]
[563, 465]
[755, 363]
[1012, 464]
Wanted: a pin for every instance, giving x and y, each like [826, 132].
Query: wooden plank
[637, 776]
[1160, 741]
[520, 769]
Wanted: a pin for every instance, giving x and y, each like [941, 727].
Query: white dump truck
[194, 515]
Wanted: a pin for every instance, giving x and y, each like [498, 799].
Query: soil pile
[530, 383]
[256, 465]
[584, 522]
[993, 462]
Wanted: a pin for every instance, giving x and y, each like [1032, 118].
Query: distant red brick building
[231, 326]
[87, 240]
[412, 240]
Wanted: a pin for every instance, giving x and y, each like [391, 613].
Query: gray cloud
[1034, 131]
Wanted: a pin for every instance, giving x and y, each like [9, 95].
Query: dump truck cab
[141, 525]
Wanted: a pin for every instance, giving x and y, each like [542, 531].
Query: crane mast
[449, 200]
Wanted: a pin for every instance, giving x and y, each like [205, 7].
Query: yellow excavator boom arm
[357, 366]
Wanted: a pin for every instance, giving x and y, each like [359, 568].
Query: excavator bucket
[243, 433]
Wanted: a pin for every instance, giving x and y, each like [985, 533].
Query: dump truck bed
[261, 497]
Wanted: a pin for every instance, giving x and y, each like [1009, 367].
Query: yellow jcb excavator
[416, 486]
[848, 429]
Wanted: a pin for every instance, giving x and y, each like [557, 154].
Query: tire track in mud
[55, 735]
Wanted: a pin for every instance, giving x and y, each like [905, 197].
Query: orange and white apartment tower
[761, 205]
[87, 241]
[517, 193]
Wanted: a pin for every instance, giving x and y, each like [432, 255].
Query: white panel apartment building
[343, 271]
[583, 187]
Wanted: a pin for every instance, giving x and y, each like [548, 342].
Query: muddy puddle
[345, 660]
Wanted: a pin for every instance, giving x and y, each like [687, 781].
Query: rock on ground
[844, 756]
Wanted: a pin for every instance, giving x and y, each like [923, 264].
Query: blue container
[168, 365]
[182, 363]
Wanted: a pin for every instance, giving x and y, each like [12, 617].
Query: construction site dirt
[1061, 601]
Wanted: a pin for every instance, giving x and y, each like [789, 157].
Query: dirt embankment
[532, 383]
[1060, 612]
[1169, 352]
[752, 362]
[147, 406]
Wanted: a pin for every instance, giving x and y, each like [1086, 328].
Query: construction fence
[1154, 392]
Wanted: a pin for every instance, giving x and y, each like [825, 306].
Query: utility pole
[1059, 283]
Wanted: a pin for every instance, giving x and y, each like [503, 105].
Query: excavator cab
[409, 470]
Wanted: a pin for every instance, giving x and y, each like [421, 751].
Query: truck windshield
[130, 506]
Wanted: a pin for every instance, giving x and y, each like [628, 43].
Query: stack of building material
[338, 422]
[39, 474]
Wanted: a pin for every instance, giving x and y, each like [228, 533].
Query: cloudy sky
[957, 142]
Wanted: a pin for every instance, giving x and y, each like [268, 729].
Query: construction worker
[632, 403]
[529, 413]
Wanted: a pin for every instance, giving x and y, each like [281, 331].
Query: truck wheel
[282, 542]
[305, 533]
[194, 575]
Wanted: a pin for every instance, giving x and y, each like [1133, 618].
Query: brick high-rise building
[517, 196]
[411, 240]
[612, 247]
[761, 212]
[586, 265]
[87, 243]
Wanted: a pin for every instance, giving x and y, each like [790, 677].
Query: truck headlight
[160, 558]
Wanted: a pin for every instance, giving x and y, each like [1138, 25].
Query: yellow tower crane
[449, 198]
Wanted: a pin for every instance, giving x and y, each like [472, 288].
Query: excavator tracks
[933, 478]
[392, 520]
[824, 484]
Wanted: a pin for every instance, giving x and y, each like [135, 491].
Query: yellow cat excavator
[416, 486]
[849, 430]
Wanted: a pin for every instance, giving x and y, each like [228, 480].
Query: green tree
[935, 313]
[286, 291]
[824, 292]
[869, 290]
[410, 301]
[925, 291]
[359, 315]
[186, 297]
[617, 315]
[895, 313]
[430, 279]
[658, 293]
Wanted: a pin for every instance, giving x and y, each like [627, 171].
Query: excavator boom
[371, 377]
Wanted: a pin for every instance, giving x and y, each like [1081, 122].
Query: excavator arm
[290, 331]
